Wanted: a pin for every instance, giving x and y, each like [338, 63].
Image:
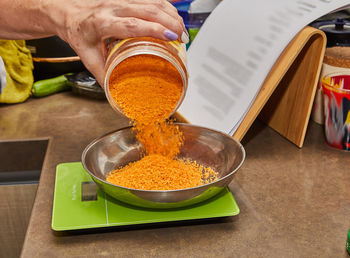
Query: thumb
[93, 60]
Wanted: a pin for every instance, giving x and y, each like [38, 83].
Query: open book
[234, 52]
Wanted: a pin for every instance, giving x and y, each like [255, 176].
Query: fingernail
[184, 28]
[186, 31]
[170, 35]
[184, 38]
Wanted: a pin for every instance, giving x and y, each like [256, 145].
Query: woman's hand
[87, 24]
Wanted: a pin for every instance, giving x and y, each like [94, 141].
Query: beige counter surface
[294, 202]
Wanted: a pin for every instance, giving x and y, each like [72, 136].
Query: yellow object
[347, 121]
[19, 71]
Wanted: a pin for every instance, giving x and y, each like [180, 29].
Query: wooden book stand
[286, 97]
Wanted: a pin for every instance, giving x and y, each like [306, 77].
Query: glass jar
[172, 51]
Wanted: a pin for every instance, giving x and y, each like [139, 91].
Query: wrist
[57, 21]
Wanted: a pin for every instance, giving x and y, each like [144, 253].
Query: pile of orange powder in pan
[147, 89]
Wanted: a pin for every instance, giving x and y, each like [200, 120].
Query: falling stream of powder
[147, 88]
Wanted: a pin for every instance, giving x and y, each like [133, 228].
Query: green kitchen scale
[79, 204]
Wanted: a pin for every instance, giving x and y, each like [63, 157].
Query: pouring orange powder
[147, 88]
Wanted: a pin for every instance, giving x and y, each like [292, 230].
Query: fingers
[152, 14]
[93, 61]
[158, 4]
[166, 7]
[133, 27]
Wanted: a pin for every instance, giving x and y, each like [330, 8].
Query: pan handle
[56, 59]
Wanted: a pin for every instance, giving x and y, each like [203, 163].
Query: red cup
[336, 93]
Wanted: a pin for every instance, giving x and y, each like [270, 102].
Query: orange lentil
[158, 172]
[147, 88]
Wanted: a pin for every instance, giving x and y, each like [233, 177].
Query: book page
[234, 51]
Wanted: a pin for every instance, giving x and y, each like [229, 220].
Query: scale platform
[79, 204]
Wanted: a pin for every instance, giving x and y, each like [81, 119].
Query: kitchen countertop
[294, 202]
